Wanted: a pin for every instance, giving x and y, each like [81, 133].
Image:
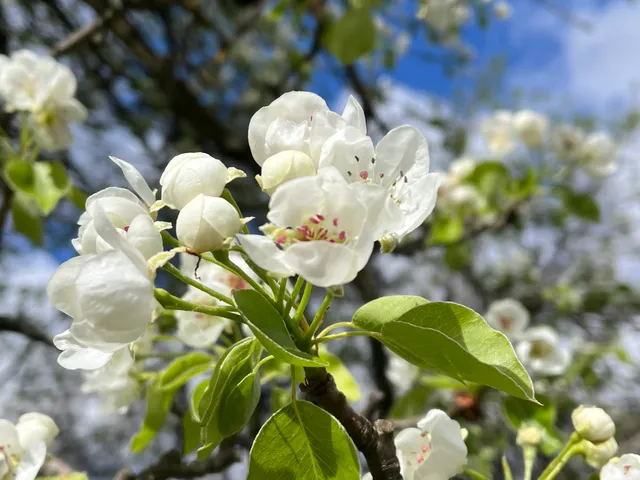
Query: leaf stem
[171, 302]
[262, 362]
[573, 446]
[529, 456]
[167, 355]
[226, 194]
[319, 318]
[294, 295]
[506, 469]
[223, 257]
[357, 333]
[474, 474]
[294, 391]
[196, 284]
[333, 326]
[303, 303]
[281, 293]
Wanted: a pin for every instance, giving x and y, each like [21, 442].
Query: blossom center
[540, 349]
[506, 322]
[316, 227]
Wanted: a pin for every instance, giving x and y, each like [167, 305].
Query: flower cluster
[537, 347]
[23, 447]
[434, 450]
[45, 90]
[505, 130]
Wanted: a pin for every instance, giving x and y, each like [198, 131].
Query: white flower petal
[9, 438]
[353, 114]
[61, 288]
[136, 180]
[322, 263]
[144, 236]
[265, 254]
[398, 151]
[31, 461]
[75, 356]
[36, 427]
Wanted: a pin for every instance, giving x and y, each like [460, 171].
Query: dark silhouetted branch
[23, 327]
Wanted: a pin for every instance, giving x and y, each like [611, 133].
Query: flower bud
[285, 166]
[207, 223]
[598, 454]
[387, 243]
[593, 424]
[191, 174]
[35, 427]
[529, 436]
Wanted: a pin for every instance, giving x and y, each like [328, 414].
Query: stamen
[126, 228]
[373, 160]
[320, 217]
[382, 175]
[314, 220]
[420, 458]
[335, 222]
[364, 175]
[342, 235]
[424, 449]
[405, 180]
[281, 239]
[357, 159]
[348, 173]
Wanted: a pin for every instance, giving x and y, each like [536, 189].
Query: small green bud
[387, 243]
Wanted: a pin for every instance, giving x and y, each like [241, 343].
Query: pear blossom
[392, 178]
[502, 10]
[508, 316]
[539, 348]
[46, 89]
[593, 424]
[190, 174]
[207, 223]
[199, 329]
[597, 155]
[433, 451]
[499, 133]
[319, 230]
[114, 383]
[627, 467]
[461, 168]
[598, 454]
[531, 127]
[127, 213]
[75, 355]
[214, 275]
[109, 295]
[567, 141]
[284, 166]
[23, 447]
[444, 16]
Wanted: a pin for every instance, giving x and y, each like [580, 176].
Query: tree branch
[85, 33]
[375, 441]
[23, 327]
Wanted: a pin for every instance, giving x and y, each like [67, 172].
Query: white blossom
[539, 348]
[627, 467]
[23, 447]
[319, 230]
[207, 223]
[463, 196]
[114, 383]
[593, 423]
[433, 451]
[445, 16]
[502, 10]
[499, 133]
[109, 295]
[75, 355]
[393, 177]
[597, 155]
[46, 89]
[567, 141]
[508, 316]
[284, 166]
[190, 174]
[531, 127]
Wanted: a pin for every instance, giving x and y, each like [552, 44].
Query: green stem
[223, 258]
[474, 474]
[262, 362]
[357, 333]
[507, 469]
[294, 295]
[174, 303]
[281, 292]
[303, 303]
[333, 326]
[196, 284]
[317, 320]
[165, 338]
[529, 456]
[226, 194]
[558, 463]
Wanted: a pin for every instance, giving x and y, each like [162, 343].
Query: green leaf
[341, 374]
[578, 204]
[447, 229]
[304, 442]
[373, 315]
[352, 36]
[280, 397]
[26, 219]
[190, 434]
[194, 401]
[51, 184]
[454, 340]
[220, 416]
[181, 370]
[268, 326]
[67, 476]
[77, 197]
[490, 178]
[20, 176]
[158, 405]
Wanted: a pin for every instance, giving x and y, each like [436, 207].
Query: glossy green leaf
[341, 374]
[352, 36]
[51, 184]
[26, 218]
[182, 369]
[268, 326]
[20, 176]
[454, 340]
[303, 442]
[221, 416]
[373, 315]
[280, 397]
[578, 204]
[190, 434]
[158, 405]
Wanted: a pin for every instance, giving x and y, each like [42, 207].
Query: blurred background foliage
[162, 77]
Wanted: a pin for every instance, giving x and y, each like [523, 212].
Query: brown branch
[23, 327]
[85, 33]
[170, 465]
[375, 441]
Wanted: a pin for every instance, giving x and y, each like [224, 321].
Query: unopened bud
[593, 424]
[598, 454]
[529, 436]
[285, 166]
[387, 243]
